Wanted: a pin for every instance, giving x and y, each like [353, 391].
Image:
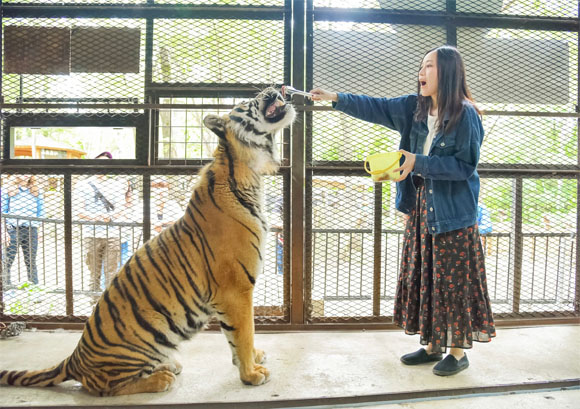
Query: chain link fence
[136, 78]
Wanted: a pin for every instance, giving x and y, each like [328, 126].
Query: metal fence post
[298, 170]
[68, 259]
[518, 243]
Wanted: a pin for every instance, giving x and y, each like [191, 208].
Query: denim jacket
[450, 169]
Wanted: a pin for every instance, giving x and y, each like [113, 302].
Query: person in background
[442, 290]
[164, 210]
[132, 212]
[22, 198]
[99, 200]
[484, 225]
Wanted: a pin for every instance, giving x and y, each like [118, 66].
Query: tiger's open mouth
[275, 109]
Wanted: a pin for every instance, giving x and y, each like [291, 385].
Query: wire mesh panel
[545, 8]
[393, 5]
[521, 70]
[507, 70]
[340, 138]
[83, 2]
[86, 75]
[126, 2]
[225, 2]
[525, 140]
[364, 58]
[106, 230]
[184, 139]
[497, 234]
[392, 228]
[522, 64]
[219, 51]
[342, 260]
[33, 274]
[269, 289]
[367, 58]
[549, 245]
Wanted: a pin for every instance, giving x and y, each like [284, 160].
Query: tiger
[204, 265]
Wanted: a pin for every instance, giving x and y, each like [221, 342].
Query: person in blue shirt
[442, 290]
[23, 201]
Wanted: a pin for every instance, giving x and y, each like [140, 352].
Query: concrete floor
[362, 368]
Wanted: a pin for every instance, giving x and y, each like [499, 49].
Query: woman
[442, 291]
[22, 200]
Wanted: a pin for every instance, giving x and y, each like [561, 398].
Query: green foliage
[553, 197]
[27, 299]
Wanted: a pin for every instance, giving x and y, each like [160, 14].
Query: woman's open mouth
[423, 83]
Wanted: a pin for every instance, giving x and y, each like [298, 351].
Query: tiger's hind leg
[237, 324]
[158, 381]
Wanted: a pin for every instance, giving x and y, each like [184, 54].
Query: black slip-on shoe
[450, 365]
[420, 357]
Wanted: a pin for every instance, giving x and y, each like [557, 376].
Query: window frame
[138, 121]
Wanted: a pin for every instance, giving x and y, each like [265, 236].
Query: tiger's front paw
[259, 356]
[258, 376]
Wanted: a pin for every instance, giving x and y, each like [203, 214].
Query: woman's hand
[408, 166]
[319, 94]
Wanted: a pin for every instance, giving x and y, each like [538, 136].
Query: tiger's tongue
[271, 110]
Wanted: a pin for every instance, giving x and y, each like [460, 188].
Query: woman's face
[428, 75]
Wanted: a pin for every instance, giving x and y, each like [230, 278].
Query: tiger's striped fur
[204, 265]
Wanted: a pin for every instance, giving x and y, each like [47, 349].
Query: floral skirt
[442, 290]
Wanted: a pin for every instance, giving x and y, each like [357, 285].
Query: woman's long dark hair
[452, 89]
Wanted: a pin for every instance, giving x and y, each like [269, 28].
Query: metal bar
[76, 100]
[325, 263]
[502, 170]
[337, 263]
[507, 291]
[557, 267]
[298, 170]
[116, 106]
[203, 89]
[41, 166]
[287, 41]
[1, 100]
[377, 233]
[349, 262]
[577, 284]
[362, 257]
[77, 323]
[149, 28]
[451, 26]
[438, 18]
[546, 269]
[68, 259]
[518, 242]
[489, 113]
[146, 207]
[298, 107]
[133, 11]
[533, 267]
[309, 248]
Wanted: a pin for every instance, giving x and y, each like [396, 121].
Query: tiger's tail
[45, 377]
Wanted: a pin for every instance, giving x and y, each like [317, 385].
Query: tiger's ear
[216, 124]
